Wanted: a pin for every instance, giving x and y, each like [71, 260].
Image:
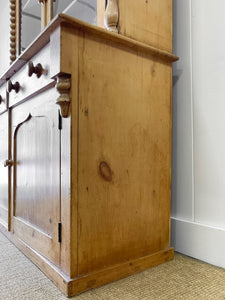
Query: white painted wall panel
[182, 179]
[198, 208]
[208, 42]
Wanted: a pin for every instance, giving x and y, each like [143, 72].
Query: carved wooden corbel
[111, 18]
[63, 87]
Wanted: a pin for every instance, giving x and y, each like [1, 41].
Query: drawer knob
[8, 163]
[38, 70]
[11, 86]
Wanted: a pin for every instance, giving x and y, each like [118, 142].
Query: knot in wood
[105, 171]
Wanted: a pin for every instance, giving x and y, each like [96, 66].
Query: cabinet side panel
[124, 155]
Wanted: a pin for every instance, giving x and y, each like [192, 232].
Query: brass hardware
[8, 163]
[38, 70]
[11, 86]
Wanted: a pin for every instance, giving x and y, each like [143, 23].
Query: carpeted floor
[182, 278]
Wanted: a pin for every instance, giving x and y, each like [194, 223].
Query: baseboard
[206, 243]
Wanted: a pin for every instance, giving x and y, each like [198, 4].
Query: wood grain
[147, 21]
[76, 285]
[118, 125]
[101, 12]
[119, 40]
[103, 172]
[47, 267]
[31, 85]
[93, 280]
[36, 199]
[69, 39]
[4, 99]
[4, 195]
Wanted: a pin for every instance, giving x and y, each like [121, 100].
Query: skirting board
[200, 241]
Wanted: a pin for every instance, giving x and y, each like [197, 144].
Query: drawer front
[34, 84]
[3, 98]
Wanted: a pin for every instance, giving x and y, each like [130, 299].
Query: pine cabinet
[87, 140]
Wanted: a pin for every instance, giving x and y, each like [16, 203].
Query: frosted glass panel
[85, 10]
[30, 21]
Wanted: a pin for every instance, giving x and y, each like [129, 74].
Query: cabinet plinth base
[93, 280]
[73, 286]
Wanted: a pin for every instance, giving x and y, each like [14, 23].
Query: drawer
[33, 84]
[3, 98]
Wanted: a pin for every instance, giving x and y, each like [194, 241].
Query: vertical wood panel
[100, 12]
[36, 173]
[147, 21]
[124, 156]
[34, 194]
[69, 135]
[4, 170]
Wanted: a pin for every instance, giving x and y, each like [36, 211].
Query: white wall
[4, 35]
[182, 166]
[198, 172]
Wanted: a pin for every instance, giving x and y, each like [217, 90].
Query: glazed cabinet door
[4, 175]
[36, 173]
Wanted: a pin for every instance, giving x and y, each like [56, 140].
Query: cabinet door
[36, 173]
[3, 170]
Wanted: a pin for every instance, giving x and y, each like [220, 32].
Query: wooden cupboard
[87, 149]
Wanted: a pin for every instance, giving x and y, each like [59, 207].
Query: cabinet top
[62, 19]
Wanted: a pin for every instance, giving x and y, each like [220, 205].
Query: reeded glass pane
[85, 10]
